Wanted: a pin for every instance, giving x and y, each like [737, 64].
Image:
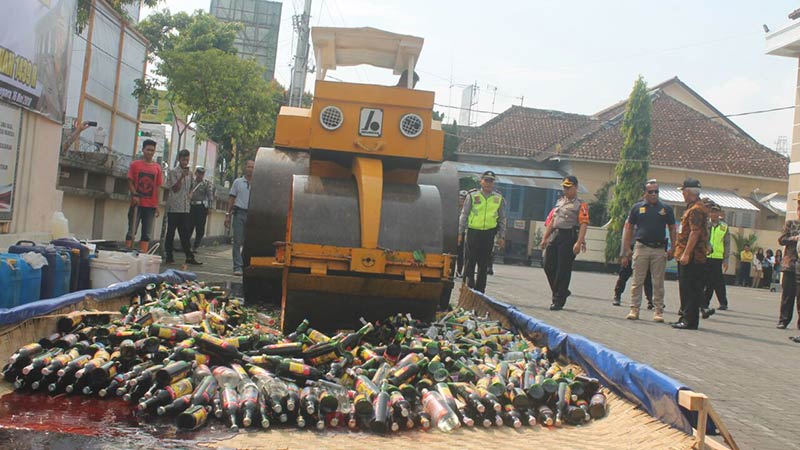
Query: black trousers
[744, 274]
[198, 214]
[558, 259]
[715, 283]
[766, 281]
[625, 273]
[692, 280]
[479, 250]
[460, 258]
[182, 223]
[788, 294]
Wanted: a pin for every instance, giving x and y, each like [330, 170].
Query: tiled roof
[526, 132]
[682, 137]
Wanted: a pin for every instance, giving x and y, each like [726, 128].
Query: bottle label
[436, 410]
[180, 388]
[201, 359]
[322, 359]
[298, 369]
[167, 333]
[317, 336]
[199, 415]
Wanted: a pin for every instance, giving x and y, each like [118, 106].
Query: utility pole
[494, 94]
[298, 83]
[521, 100]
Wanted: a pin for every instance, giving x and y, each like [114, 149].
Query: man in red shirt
[144, 182]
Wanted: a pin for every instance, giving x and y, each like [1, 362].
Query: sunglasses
[489, 180]
[653, 191]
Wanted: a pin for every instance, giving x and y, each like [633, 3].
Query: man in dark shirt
[648, 223]
[690, 250]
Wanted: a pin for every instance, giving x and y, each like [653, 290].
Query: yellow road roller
[353, 213]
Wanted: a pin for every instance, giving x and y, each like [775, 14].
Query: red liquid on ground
[66, 414]
[79, 421]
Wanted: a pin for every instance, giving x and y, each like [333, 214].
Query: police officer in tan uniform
[563, 239]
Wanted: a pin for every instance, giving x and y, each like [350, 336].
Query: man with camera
[179, 182]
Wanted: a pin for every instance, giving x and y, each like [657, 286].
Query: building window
[744, 219]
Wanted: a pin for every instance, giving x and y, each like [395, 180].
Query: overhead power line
[584, 118]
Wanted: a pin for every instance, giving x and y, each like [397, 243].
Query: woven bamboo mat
[625, 427]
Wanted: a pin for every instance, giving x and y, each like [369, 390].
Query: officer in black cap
[690, 251]
[482, 216]
[563, 239]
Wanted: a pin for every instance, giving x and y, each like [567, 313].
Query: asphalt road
[737, 357]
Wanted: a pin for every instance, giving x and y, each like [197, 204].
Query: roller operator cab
[353, 214]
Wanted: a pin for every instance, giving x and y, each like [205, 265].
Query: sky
[577, 56]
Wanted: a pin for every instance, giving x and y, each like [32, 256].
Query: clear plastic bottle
[441, 415]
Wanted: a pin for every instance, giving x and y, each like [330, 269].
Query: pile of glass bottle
[189, 351]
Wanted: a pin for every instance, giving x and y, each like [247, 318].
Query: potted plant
[536, 251]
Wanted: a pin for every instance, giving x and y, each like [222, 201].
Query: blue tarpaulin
[29, 310]
[639, 383]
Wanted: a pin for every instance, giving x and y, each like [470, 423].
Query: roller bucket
[344, 282]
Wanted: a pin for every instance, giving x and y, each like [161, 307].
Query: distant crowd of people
[759, 270]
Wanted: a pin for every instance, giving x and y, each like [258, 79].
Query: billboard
[258, 37]
[9, 137]
[35, 47]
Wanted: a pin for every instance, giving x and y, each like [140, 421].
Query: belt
[237, 209]
[653, 244]
[198, 203]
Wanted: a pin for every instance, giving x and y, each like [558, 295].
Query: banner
[35, 47]
[9, 138]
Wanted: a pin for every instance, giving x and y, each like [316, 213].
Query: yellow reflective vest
[717, 240]
[484, 211]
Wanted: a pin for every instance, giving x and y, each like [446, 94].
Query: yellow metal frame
[299, 128]
[319, 259]
[369, 177]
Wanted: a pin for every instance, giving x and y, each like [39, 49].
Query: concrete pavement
[738, 358]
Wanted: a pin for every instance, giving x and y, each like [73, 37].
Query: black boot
[193, 262]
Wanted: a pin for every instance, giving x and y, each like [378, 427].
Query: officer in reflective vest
[482, 217]
[720, 240]
[563, 239]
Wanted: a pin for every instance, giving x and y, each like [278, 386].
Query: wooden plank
[723, 429]
[691, 400]
[702, 422]
[87, 59]
[115, 101]
[713, 444]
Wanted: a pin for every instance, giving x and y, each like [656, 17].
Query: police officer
[690, 251]
[563, 239]
[482, 217]
[717, 265]
[647, 223]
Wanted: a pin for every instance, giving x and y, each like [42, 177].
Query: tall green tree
[85, 8]
[598, 209]
[631, 170]
[451, 139]
[225, 96]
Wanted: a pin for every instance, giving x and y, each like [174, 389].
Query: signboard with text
[9, 139]
[35, 47]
